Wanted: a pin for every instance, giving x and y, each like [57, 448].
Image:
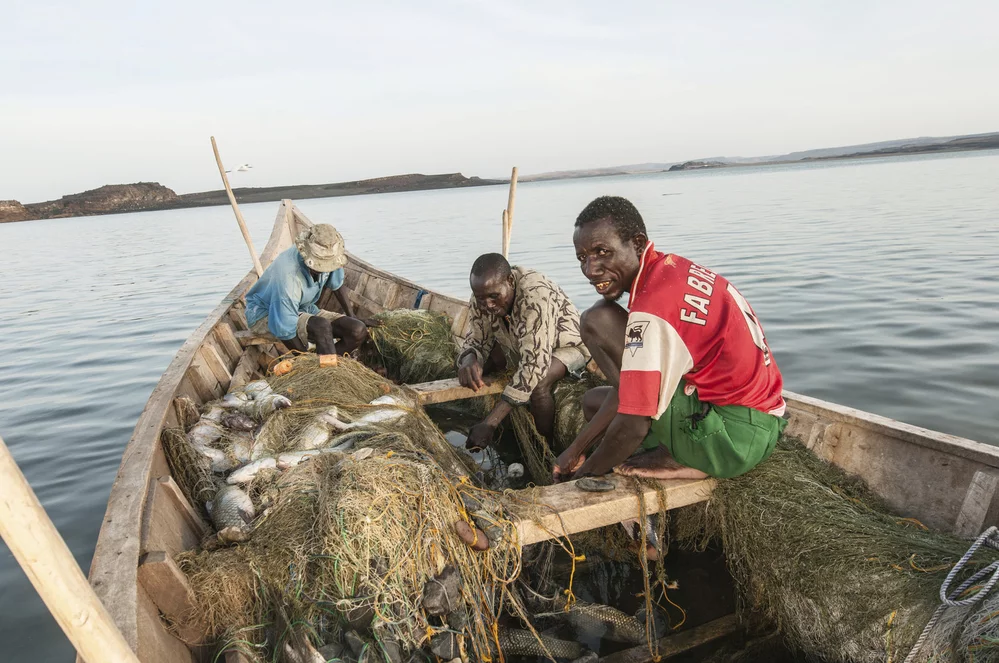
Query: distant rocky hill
[118, 198]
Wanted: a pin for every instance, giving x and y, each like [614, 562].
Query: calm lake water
[876, 282]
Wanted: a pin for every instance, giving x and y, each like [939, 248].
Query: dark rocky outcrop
[697, 165]
[117, 198]
[109, 199]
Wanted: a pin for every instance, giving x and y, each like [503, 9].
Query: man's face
[493, 293]
[609, 264]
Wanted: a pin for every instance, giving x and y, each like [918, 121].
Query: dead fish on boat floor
[246, 473]
[611, 623]
[519, 642]
[238, 421]
[232, 512]
[256, 400]
[205, 432]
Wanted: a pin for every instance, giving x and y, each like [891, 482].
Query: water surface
[875, 281]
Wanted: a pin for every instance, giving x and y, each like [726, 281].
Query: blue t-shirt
[285, 290]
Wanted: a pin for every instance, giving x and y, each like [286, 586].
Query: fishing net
[843, 579]
[413, 346]
[349, 541]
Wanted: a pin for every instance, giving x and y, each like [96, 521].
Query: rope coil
[949, 599]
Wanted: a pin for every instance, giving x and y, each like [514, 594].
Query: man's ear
[510, 280]
[640, 241]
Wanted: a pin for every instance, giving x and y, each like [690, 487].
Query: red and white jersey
[687, 322]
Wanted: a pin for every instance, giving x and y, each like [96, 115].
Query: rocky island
[145, 196]
[696, 165]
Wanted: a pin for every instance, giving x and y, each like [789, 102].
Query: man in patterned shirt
[693, 380]
[521, 316]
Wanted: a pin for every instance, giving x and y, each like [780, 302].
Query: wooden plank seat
[568, 510]
[443, 391]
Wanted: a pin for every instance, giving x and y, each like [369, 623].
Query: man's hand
[470, 373]
[480, 436]
[371, 322]
[566, 464]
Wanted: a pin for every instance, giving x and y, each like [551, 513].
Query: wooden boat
[947, 482]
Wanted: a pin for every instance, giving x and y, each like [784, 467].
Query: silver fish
[265, 406]
[246, 473]
[257, 388]
[314, 436]
[205, 432]
[518, 642]
[612, 623]
[232, 512]
[219, 460]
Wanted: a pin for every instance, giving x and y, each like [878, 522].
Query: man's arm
[475, 349]
[624, 435]
[570, 459]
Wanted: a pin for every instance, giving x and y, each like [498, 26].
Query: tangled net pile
[841, 577]
[349, 543]
[413, 346]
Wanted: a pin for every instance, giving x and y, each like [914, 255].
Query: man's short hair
[491, 264]
[623, 215]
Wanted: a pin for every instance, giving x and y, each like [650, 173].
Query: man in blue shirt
[283, 301]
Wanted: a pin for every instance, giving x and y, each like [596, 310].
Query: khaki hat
[321, 247]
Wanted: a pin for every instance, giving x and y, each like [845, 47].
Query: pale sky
[109, 91]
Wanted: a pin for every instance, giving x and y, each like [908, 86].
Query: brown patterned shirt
[542, 324]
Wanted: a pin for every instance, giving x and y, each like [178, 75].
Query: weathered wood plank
[169, 590]
[365, 303]
[247, 369]
[216, 364]
[571, 510]
[225, 335]
[978, 499]
[443, 391]
[678, 643]
[156, 644]
[170, 523]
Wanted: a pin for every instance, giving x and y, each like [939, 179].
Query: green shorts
[727, 441]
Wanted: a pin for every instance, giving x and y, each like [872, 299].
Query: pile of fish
[240, 417]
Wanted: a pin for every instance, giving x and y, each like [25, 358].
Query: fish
[315, 435]
[292, 458]
[232, 512]
[207, 430]
[379, 416]
[257, 388]
[246, 473]
[519, 642]
[515, 470]
[243, 447]
[219, 460]
[238, 421]
[263, 407]
[596, 618]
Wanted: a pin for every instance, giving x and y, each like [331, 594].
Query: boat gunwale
[978, 452]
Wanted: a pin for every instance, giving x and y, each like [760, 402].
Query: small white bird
[242, 168]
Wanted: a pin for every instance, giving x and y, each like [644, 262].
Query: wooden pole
[508, 213]
[239, 215]
[49, 565]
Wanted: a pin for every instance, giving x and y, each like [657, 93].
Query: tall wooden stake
[49, 565]
[508, 213]
[239, 215]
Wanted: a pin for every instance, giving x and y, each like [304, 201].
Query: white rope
[949, 598]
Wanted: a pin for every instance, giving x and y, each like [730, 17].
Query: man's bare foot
[657, 464]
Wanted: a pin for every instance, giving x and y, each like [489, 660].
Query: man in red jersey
[692, 379]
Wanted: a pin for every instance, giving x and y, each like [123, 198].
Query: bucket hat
[321, 248]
